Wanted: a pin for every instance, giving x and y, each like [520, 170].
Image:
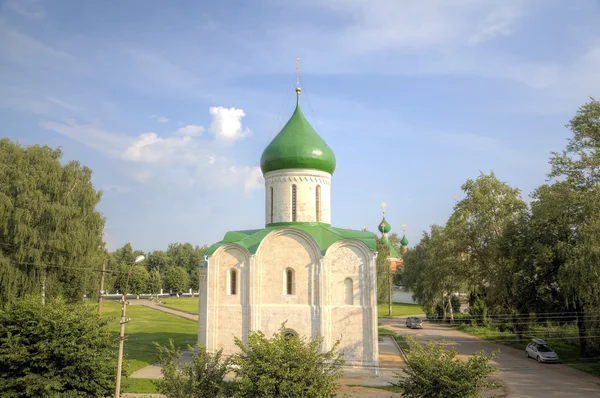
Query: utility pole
[44, 286]
[122, 333]
[101, 287]
[389, 265]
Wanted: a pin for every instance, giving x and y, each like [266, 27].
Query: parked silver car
[414, 322]
[538, 350]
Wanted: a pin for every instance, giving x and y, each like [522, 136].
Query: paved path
[156, 306]
[522, 377]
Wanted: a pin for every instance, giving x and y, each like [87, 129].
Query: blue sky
[172, 103]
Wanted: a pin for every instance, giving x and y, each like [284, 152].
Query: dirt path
[522, 377]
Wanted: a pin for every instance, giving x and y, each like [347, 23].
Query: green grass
[385, 388]
[385, 332]
[139, 386]
[185, 304]
[400, 339]
[562, 339]
[146, 327]
[399, 310]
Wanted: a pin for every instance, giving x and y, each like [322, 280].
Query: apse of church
[298, 269]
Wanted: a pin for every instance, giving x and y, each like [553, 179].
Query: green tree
[286, 366]
[50, 231]
[139, 280]
[55, 350]
[478, 227]
[160, 261]
[579, 162]
[177, 279]
[579, 276]
[433, 270]
[124, 255]
[432, 371]
[202, 377]
[189, 257]
[154, 282]
[382, 267]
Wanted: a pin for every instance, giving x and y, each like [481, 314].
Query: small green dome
[404, 241]
[297, 146]
[384, 226]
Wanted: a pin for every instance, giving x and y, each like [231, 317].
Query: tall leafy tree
[579, 162]
[177, 279]
[154, 282]
[50, 230]
[159, 260]
[189, 258]
[478, 226]
[577, 168]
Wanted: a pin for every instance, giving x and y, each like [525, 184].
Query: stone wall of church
[333, 296]
[306, 182]
[350, 269]
[228, 312]
[280, 252]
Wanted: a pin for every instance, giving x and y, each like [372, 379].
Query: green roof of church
[393, 252]
[324, 234]
[298, 146]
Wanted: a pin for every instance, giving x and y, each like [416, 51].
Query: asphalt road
[521, 377]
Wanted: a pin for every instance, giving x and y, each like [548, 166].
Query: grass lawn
[399, 310]
[147, 326]
[139, 386]
[560, 338]
[185, 304]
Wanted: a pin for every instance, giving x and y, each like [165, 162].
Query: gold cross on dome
[404, 227]
[383, 206]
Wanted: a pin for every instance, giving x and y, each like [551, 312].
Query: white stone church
[299, 269]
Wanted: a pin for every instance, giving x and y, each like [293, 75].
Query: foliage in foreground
[286, 367]
[433, 371]
[55, 350]
[202, 377]
[277, 367]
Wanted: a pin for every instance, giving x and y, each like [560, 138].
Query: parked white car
[539, 350]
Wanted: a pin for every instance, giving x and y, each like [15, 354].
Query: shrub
[202, 377]
[455, 303]
[55, 350]
[479, 313]
[433, 371]
[286, 366]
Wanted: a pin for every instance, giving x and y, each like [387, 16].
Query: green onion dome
[404, 241]
[384, 226]
[298, 146]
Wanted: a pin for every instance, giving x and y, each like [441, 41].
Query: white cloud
[90, 135]
[160, 119]
[190, 130]
[226, 124]
[499, 23]
[253, 178]
[150, 148]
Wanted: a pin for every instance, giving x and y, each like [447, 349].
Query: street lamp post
[123, 321]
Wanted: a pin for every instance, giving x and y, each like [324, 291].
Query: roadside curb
[402, 353]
